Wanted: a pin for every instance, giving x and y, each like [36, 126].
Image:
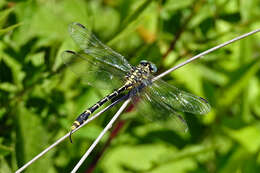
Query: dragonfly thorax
[141, 74]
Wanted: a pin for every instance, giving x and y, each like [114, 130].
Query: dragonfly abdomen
[84, 116]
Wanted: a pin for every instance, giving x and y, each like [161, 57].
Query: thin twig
[66, 136]
[178, 34]
[118, 126]
[204, 53]
[109, 125]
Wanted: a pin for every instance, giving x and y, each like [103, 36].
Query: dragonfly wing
[177, 99]
[154, 109]
[93, 72]
[95, 48]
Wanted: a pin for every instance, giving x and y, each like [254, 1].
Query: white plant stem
[63, 138]
[108, 126]
[205, 53]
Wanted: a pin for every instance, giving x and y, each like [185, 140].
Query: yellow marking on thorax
[128, 82]
[144, 77]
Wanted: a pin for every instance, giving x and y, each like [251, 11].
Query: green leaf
[233, 17]
[239, 80]
[4, 167]
[248, 137]
[31, 139]
[4, 15]
[135, 14]
[237, 161]
[9, 28]
[130, 20]
[143, 158]
[4, 150]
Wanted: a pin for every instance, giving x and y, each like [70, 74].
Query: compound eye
[153, 67]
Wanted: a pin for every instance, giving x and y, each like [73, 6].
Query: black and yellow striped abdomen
[84, 115]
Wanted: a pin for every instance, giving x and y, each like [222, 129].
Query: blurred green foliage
[40, 98]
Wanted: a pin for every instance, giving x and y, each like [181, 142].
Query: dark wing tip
[70, 51]
[204, 100]
[78, 24]
[207, 106]
[184, 123]
[73, 27]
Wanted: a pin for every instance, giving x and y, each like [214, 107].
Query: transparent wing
[155, 110]
[177, 99]
[160, 101]
[93, 71]
[95, 48]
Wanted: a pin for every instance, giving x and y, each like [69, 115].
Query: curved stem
[68, 134]
[204, 53]
[108, 126]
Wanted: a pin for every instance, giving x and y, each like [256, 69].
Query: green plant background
[40, 97]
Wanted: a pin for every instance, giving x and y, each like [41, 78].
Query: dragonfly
[102, 67]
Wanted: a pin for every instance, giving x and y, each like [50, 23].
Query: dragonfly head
[149, 65]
